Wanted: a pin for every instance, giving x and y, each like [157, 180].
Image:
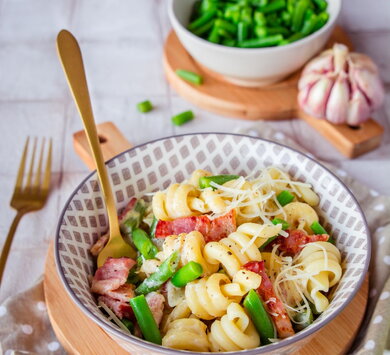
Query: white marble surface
[122, 44]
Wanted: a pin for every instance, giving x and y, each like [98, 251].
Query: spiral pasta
[239, 247]
[187, 334]
[235, 331]
[191, 248]
[209, 297]
[179, 312]
[196, 175]
[321, 262]
[299, 215]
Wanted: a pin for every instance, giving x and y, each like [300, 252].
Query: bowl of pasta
[241, 244]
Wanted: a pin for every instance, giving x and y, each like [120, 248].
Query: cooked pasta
[220, 250]
[191, 247]
[240, 247]
[235, 331]
[187, 334]
[210, 296]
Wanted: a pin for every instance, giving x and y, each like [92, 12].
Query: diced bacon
[111, 275]
[156, 305]
[99, 245]
[122, 293]
[296, 240]
[274, 305]
[120, 308]
[127, 209]
[212, 230]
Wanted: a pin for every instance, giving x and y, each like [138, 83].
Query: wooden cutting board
[273, 102]
[80, 335]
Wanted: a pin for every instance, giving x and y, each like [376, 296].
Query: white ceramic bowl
[252, 66]
[157, 164]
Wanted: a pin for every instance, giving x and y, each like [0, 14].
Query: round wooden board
[80, 335]
[273, 102]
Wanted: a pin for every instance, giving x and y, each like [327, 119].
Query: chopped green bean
[273, 6]
[225, 25]
[322, 19]
[145, 319]
[298, 15]
[261, 31]
[262, 321]
[214, 36]
[284, 224]
[260, 18]
[285, 197]
[189, 272]
[189, 76]
[321, 4]
[200, 21]
[128, 324]
[278, 30]
[144, 106]
[163, 273]
[229, 42]
[153, 227]
[242, 31]
[303, 320]
[182, 118]
[309, 24]
[204, 28]
[318, 229]
[262, 42]
[205, 181]
[143, 244]
[268, 241]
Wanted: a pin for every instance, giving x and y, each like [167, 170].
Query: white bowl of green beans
[253, 42]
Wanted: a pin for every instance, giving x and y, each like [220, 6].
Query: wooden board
[273, 102]
[80, 335]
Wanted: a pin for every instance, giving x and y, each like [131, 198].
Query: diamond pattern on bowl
[155, 165]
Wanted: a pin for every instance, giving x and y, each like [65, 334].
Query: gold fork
[30, 196]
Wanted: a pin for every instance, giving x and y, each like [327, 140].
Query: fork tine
[31, 169]
[39, 170]
[46, 180]
[19, 178]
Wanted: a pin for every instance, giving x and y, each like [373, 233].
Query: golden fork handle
[72, 63]
[8, 242]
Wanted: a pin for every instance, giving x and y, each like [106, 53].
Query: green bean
[143, 244]
[128, 324]
[182, 118]
[153, 227]
[284, 224]
[298, 15]
[278, 30]
[246, 15]
[225, 25]
[208, 5]
[321, 4]
[225, 34]
[268, 241]
[144, 106]
[273, 6]
[260, 18]
[229, 42]
[214, 36]
[261, 31]
[308, 25]
[285, 197]
[262, 42]
[262, 321]
[163, 273]
[145, 319]
[189, 272]
[190, 76]
[205, 181]
[318, 229]
[242, 31]
[273, 20]
[200, 21]
[303, 319]
[203, 29]
[322, 19]
[133, 218]
[233, 13]
[286, 18]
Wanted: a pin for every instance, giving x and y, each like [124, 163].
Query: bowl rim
[330, 23]
[159, 348]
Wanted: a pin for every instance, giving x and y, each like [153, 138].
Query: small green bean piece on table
[182, 118]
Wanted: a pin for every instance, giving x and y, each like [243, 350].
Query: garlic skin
[340, 86]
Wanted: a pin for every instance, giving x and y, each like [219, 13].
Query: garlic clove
[321, 64]
[337, 105]
[370, 84]
[317, 97]
[359, 109]
[308, 80]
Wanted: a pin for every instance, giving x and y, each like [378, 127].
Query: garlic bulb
[341, 87]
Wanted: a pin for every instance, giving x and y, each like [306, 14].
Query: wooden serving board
[80, 335]
[273, 102]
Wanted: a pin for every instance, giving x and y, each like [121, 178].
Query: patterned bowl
[157, 164]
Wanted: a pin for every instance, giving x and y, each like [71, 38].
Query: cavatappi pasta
[214, 251]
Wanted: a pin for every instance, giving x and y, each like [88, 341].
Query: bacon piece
[122, 293]
[156, 305]
[99, 245]
[212, 230]
[120, 308]
[111, 275]
[275, 306]
[296, 240]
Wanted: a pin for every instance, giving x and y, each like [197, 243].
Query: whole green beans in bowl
[257, 23]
